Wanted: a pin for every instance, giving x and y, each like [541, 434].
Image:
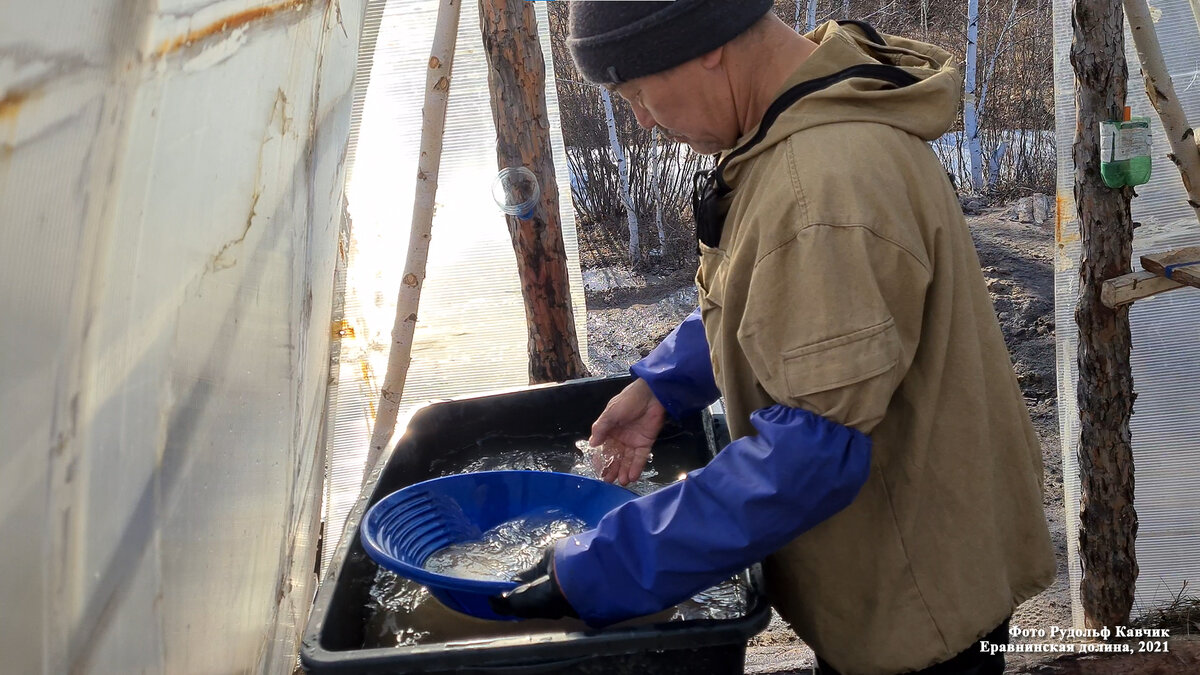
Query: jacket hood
[926, 108]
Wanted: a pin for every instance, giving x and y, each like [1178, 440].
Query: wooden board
[1181, 265]
[1135, 286]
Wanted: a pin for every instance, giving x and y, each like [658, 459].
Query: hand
[538, 597]
[626, 430]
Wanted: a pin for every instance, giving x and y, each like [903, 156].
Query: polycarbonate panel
[1166, 353]
[471, 333]
[171, 178]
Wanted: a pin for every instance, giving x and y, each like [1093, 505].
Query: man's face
[674, 101]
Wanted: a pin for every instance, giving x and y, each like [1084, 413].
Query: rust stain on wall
[10, 105]
[10, 108]
[226, 24]
[369, 381]
[1062, 202]
[343, 329]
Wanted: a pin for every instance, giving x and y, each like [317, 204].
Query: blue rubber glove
[756, 495]
[679, 370]
[538, 596]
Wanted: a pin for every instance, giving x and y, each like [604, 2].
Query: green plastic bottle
[1125, 151]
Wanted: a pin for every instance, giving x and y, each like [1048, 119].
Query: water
[726, 600]
[393, 602]
[403, 613]
[508, 548]
[584, 460]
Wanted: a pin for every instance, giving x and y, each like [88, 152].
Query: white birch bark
[1001, 47]
[812, 15]
[437, 94]
[994, 164]
[970, 113]
[1160, 90]
[623, 170]
[658, 221]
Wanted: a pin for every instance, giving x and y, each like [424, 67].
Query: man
[883, 462]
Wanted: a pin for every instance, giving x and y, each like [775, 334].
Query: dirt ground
[628, 314]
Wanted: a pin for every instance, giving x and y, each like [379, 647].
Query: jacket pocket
[710, 280]
[711, 277]
[843, 360]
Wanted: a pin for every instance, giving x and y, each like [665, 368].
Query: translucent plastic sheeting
[170, 197]
[1166, 353]
[471, 332]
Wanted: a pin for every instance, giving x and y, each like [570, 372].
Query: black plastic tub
[440, 431]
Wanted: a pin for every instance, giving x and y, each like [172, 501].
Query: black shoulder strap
[867, 30]
[877, 71]
[709, 186]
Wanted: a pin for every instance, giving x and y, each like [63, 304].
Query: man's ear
[713, 59]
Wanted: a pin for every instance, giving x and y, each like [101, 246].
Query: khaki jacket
[846, 283]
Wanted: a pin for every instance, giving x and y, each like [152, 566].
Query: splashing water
[515, 460]
[392, 601]
[594, 460]
[598, 460]
[588, 461]
[506, 549]
[726, 600]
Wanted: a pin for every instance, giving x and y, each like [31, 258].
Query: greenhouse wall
[1166, 353]
[171, 176]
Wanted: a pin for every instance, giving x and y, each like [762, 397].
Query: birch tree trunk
[517, 79]
[623, 171]
[1108, 522]
[970, 113]
[796, 23]
[1000, 47]
[812, 15]
[655, 167]
[437, 93]
[1159, 88]
[994, 164]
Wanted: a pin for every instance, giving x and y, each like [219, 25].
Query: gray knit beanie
[614, 42]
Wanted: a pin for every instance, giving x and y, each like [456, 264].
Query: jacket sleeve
[679, 370]
[757, 494]
[857, 303]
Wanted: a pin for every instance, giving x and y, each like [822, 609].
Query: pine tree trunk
[1108, 522]
[517, 77]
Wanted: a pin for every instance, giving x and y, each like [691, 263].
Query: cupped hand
[626, 431]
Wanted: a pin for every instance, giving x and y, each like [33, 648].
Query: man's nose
[644, 118]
